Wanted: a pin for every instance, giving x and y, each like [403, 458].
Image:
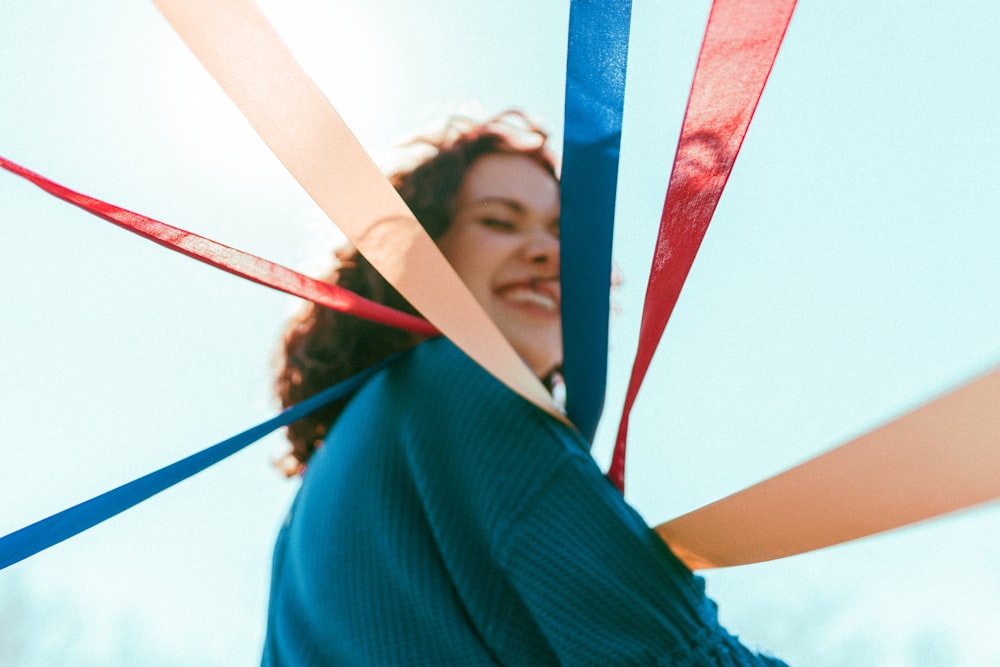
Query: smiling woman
[442, 519]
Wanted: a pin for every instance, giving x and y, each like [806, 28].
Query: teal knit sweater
[449, 522]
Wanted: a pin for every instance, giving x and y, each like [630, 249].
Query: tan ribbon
[241, 50]
[941, 457]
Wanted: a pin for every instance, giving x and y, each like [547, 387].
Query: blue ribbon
[595, 99]
[52, 530]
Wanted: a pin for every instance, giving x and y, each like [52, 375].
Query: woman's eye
[497, 223]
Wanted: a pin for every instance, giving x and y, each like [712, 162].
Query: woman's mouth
[541, 295]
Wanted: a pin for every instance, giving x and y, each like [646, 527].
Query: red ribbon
[740, 45]
[230, 259]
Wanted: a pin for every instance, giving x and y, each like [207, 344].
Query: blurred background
[850, 274]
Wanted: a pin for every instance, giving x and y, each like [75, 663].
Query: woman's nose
[543, 248]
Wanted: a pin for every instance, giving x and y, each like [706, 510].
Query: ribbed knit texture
[449, 522]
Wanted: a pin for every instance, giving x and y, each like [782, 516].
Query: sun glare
[336, 46]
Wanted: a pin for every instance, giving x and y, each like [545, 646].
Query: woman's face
[503, 241]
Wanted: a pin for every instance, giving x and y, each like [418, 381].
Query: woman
[446, 520]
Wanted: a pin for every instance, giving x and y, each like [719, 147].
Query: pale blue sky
[850, 272]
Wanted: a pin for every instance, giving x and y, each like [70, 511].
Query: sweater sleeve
[604, 588]
[519, 491]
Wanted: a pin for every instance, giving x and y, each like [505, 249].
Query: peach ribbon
[941, 457]
[241, 50]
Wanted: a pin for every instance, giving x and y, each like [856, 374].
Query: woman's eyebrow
[512, 204]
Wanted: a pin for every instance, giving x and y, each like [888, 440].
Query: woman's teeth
[530, 297]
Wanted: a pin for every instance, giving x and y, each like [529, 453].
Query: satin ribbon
[740, 45]
[939, 458]
[229, 259]
[243, 53]
[595, 98]
[63, 525]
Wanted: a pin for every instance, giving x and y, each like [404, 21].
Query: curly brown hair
[321, 347]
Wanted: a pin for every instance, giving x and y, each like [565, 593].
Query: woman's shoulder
[440, 358]
[453, 421]
[438, 374]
